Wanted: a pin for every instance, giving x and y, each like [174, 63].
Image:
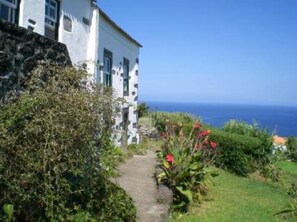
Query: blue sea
[281, 120]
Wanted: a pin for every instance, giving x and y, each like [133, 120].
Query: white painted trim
[21, 13]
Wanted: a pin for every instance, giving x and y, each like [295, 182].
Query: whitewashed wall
[34, 10]
[77, 41]
[120, 46]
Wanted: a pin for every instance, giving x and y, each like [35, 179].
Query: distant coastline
[280, 120]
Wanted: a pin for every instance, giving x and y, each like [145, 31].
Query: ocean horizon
[277, 119]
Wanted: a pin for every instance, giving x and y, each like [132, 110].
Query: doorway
[125, 125]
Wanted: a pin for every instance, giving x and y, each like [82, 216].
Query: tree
[142, 110]
[292, 147]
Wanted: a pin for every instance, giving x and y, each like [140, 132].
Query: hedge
[238, 153]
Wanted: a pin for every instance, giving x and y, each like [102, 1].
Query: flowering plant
[184, 161]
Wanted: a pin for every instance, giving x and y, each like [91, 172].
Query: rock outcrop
[147, 131]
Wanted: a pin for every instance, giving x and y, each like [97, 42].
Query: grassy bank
[234, 198]
[249, 197]
[289, 171]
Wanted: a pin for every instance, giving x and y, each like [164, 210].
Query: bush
[184, 161]
[292, 148]
[160, 119]
[251, 130]
[116, 205]
[242, 128]
[142, 110]
[244, 148]
[110, 159]
[238, 153]
[51, 141]
[138, 149]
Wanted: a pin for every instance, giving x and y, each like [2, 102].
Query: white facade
[78, 40]
[78, 11]
[88, 33]
[35, 11]
[121, 49]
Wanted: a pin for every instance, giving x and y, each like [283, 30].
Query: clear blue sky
[229, 51]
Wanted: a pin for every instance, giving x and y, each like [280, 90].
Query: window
[126, 76]
[86, 21]
[8, 10]
[67, 23]
[107, 70]
[51, 19]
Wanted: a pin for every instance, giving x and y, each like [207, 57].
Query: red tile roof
[279, 140]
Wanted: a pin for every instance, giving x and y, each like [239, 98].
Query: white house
[91, 36]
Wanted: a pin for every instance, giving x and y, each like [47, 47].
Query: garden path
[137, 178]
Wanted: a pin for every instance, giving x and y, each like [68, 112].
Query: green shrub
[244, 147]
[160, 119]
[145, 122]
[242, 128]
[142, 110]
[184, 161]
[187, 128]
[238, 153]
[292, 148]
[137, 149]
[116, 205]
[51, 143]
[110, 159]
[251, 130]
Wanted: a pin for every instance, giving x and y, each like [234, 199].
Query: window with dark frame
[126, 77]
[8, 10]
[107, 70]
[51, 19]
[67, 23]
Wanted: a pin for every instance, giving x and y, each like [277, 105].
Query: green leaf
[186, 193]
[8, 210]
[194, 166]
[161, 176]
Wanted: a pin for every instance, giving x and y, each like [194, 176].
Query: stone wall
[20, 52]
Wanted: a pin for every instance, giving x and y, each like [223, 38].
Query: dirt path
[137, 178]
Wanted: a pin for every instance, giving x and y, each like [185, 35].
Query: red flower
[213, 145]
[169, 158]
[204, 133]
